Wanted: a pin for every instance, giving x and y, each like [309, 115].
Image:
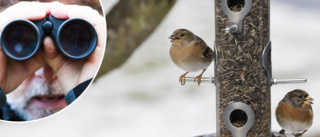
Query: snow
[143, 97]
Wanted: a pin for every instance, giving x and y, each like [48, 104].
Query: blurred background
[138, 94]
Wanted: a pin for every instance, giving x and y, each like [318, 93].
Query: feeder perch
[243, 70]
[210, 80]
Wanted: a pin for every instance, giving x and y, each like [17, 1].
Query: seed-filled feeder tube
[243, 67]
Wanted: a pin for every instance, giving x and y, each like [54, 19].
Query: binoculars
[75, 38]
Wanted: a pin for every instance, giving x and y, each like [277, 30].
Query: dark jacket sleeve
[76, 92]
[3, 98]
[6, 113]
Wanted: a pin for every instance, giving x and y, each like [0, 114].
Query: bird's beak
[173, 37]
[309, 100]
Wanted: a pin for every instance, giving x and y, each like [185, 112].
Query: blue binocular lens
[21, 40]
[75, 38]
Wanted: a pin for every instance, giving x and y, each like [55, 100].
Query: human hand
[13, 73]
[70, 72]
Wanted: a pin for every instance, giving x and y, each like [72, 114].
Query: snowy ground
[143, 98]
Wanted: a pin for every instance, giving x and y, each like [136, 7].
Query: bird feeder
[243, 68]
[243, 72]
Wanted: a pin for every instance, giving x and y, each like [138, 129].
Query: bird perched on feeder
[294, 112]
[190, 53]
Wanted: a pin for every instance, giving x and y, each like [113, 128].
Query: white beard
[21, 103]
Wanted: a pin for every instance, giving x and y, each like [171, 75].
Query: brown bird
[190, 53]
[294, 112]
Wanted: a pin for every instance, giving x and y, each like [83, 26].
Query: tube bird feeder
[243, 89]
[243, 71]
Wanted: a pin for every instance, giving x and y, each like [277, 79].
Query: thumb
[52, 57]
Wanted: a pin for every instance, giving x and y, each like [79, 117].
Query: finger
[39, 57]
[49, 48]
[52, 57]
[17, 71]
[33, 64]
[3, 63]
[35, 10]
[73, 11]
[29, 11]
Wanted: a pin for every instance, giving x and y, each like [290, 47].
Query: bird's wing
[207, 52]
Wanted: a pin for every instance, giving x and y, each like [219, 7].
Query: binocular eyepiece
[75, 38]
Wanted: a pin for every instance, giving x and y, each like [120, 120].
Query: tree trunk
[129, 23]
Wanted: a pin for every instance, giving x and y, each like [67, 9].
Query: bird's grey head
[297, 98]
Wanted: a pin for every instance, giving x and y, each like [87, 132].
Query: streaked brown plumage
[294, 112]
[190, 53]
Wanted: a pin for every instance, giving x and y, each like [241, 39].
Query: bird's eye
[182, 34]
[300, 96]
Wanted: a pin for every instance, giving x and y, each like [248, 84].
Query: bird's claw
[300, 134]
[183, 82]
[184, 78]
[198, 78]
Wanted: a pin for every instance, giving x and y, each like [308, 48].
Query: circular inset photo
[50, 52]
